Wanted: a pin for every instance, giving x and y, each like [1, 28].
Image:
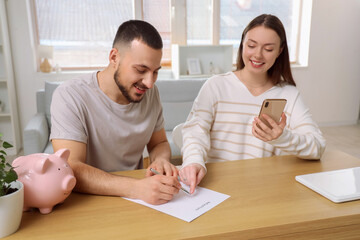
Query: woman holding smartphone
[223, 124]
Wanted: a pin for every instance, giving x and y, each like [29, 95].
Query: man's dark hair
[140, 30]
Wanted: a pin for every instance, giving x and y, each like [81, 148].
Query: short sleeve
[67, 116]
[160, 118]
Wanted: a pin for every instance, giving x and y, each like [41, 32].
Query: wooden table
[266, 203]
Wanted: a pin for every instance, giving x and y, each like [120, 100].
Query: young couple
[108, 117]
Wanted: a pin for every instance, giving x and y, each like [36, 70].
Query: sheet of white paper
[188, 207]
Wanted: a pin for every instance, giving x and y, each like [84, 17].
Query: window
[223, 21]
[236, 14]
[157, 12]
[81, 32]
[198, 22]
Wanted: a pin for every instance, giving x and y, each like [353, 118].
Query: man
[108, 117]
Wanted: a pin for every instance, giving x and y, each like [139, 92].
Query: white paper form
[188, 207]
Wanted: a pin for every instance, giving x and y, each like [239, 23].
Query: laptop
[338, 185]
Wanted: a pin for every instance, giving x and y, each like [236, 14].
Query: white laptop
[338, 185]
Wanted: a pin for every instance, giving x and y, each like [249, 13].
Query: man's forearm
[160, 151]
[151, 190]
[95, 181]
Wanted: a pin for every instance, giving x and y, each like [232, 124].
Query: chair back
[49, 90]
[177, 135]
[177, 98]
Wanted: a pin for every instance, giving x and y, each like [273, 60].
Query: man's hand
[160, 154]
[158, 189]
[164, 167]
[263, 132]
[192, 175]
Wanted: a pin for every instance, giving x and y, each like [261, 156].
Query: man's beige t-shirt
[115, 134]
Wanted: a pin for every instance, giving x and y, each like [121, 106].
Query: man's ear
[114, 57]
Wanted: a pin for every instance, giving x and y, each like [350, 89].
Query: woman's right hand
[192, 175]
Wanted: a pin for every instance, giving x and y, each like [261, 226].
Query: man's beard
[123, 90]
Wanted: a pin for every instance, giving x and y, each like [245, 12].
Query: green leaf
[7, 173]
[2, 174]
[11, 176]
[7, 145]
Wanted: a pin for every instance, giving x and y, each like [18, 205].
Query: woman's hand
[263, 132]
[192, 175]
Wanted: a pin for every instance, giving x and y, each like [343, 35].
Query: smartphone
[273, 108]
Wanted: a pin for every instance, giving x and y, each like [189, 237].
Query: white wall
[330, 84]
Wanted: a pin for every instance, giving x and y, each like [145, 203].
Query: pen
[157, 173]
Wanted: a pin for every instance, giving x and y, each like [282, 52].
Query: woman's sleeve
[302, 136]
[196, 130]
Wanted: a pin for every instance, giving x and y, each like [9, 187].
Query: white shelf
[195, 76]
[4, 114]
[9, 120]
[220, 56]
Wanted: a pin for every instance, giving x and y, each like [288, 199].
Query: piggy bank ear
[63, 153]
[42, 165]
[15, 162]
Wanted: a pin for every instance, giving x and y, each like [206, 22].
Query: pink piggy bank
[47, 178]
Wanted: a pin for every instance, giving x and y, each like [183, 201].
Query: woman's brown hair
[280, 72]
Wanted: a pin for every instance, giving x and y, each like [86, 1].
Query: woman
[223, 124]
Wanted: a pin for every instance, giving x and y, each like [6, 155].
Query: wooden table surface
[266, 203]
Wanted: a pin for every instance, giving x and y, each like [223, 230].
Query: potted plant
[11, 194]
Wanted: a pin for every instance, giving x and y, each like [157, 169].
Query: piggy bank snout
[68, 183]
